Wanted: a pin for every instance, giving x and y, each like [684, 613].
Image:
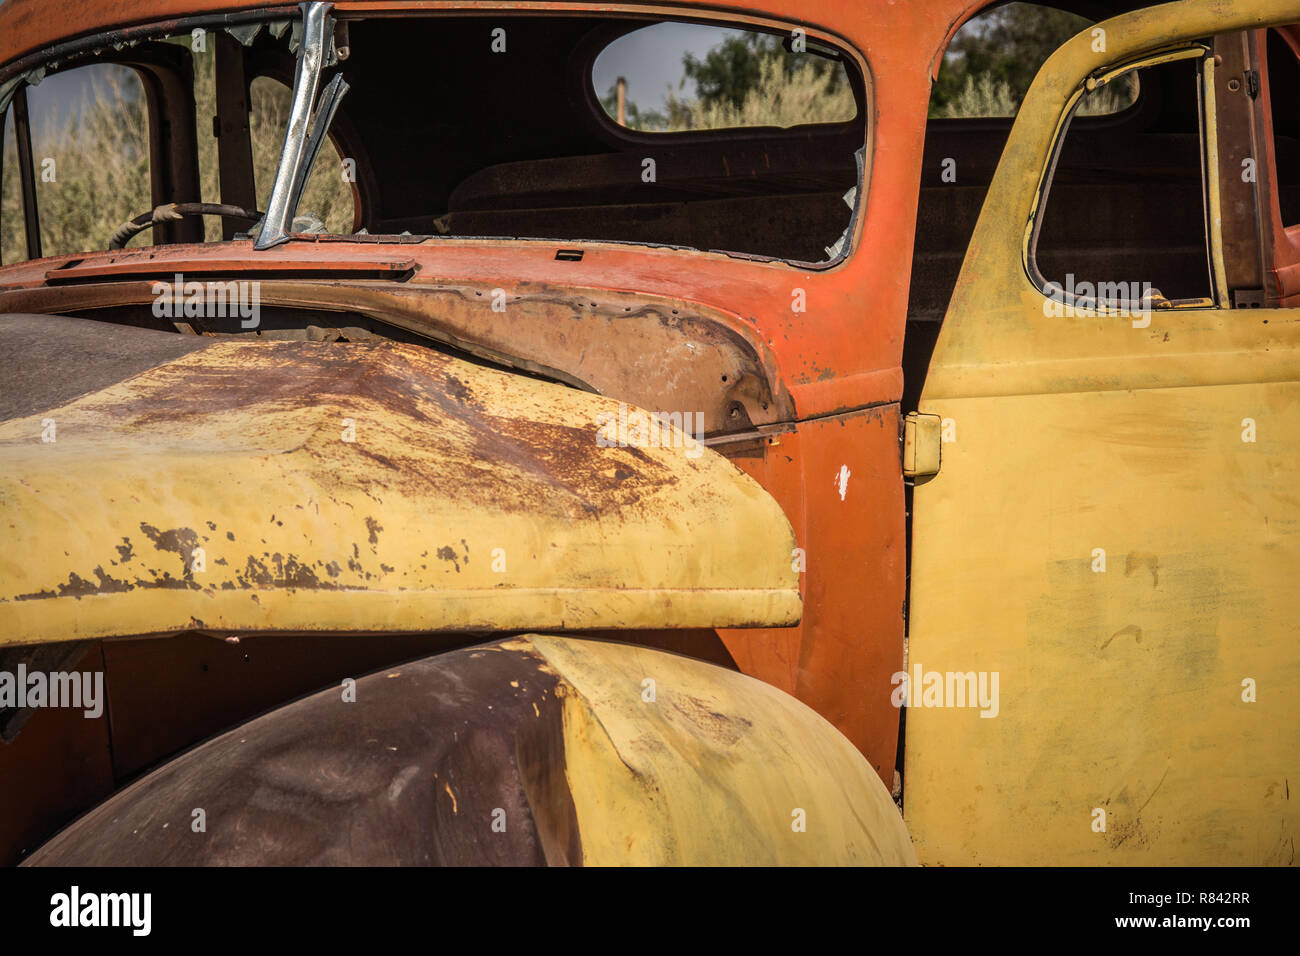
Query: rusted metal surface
[407, 775]
[530, 751]
[57, 763]
[93, 361]
[201, 683]
[1237, 86]
[657, 352]
[367, 487]
[847, 646]
[138, 263]
[841, 354]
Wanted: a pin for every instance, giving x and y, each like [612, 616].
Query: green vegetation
[749, 80]
[1001, 50]
[994, 58]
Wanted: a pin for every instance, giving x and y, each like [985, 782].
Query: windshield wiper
[306, 131]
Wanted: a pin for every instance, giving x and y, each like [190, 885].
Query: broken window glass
[491, 127]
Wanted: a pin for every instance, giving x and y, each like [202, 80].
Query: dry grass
[780, 98]
[99, 176]
[326, 195]
[982, 96]
[986, 96]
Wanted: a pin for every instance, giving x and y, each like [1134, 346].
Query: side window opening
[985, 73]
[1121, 223]
[119, 131]
[90, 153]
[993, 58]
[13, 236]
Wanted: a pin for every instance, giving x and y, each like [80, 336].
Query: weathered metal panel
[536, 750]
[841, 354]
[850, 493]
[1114, 533]
[301, 486]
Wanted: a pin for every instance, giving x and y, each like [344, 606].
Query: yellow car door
[1102, 661]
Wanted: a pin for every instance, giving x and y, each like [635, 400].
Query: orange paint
[842, 355]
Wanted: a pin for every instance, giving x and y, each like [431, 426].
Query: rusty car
[861, 487]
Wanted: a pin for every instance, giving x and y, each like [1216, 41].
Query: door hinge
[921, 445]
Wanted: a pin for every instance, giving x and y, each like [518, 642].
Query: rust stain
[714, 725]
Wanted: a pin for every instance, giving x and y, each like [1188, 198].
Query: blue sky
[651, 60]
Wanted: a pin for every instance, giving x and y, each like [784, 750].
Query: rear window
[730, 140]
[673, 77]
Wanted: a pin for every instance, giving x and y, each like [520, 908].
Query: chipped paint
[235, 449]
[842, 481]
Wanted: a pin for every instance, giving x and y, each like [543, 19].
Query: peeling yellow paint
[235, 451]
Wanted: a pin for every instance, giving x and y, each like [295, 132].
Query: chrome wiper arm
[329, 104]
[313, 55]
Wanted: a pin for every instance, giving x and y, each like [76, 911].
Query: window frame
[579, 82]
[124, 50]
[1207, 136]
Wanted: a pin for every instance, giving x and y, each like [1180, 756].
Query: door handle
[921, 445]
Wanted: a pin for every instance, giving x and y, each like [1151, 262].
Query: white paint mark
[842, 481]
[399, 782]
